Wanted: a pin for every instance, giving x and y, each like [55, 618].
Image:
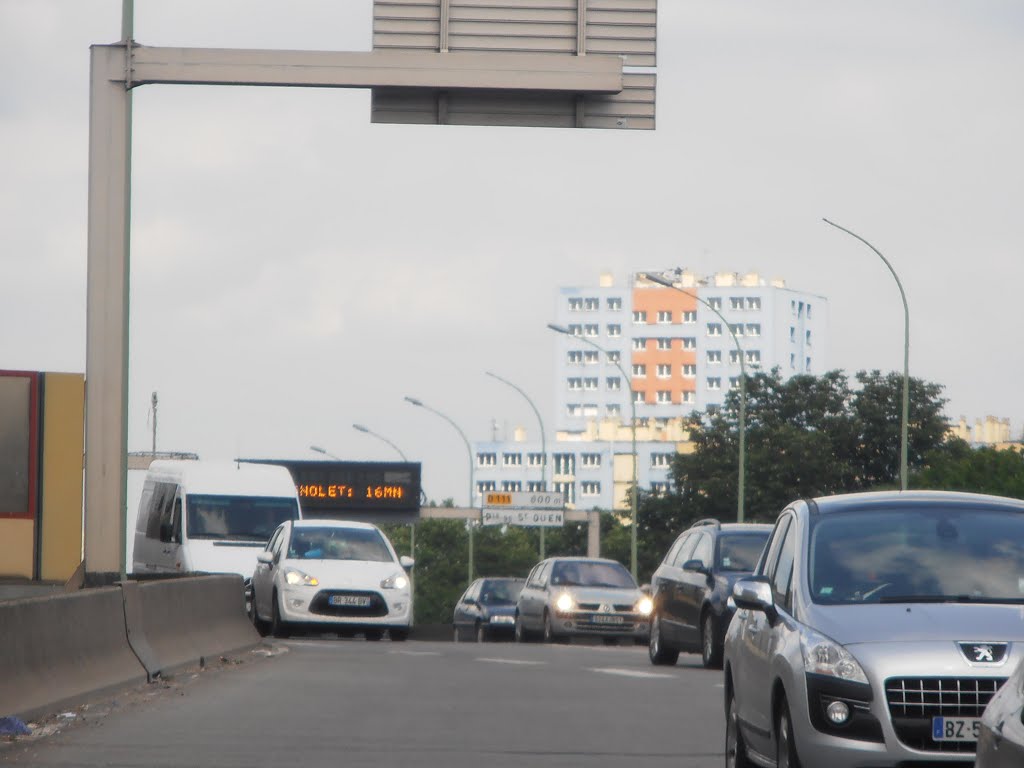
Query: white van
[210, 517]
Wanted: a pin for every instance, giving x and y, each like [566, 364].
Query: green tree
[957, 467]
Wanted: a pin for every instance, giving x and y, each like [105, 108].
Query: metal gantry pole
[905, 418]
[543, 444]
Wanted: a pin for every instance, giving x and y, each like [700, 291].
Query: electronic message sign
[377, 492]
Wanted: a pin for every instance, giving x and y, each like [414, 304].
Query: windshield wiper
[948, 599]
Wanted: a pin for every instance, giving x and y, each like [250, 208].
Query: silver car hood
[918, 622]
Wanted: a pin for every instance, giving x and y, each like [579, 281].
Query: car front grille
[617, 607]
[321, 604]
[914, 701]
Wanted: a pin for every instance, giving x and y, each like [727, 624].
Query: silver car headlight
[294, 577]
[564, 603]
[395, 581]
[644, 606]
[823, 656]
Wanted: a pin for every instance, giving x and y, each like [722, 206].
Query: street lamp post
[906, 354]
[469, 451]
[324, 451]
[632, 429]
[543, 444]
[741, 469]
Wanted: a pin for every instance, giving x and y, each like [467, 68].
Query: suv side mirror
[696, 566]
[406, 562]
[755, 594]
[265, 557]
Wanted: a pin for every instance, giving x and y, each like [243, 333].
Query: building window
[664, 316]
[735, 302]
[792, 306]
[590, 357]
[512, 459]
[664, 371]
[575, 357]
[575, 305]
[661, 460]
[714, 382]
[715, 303]
[689, 370]
[689, 397]
[689, 316]
[590, 488]
[590, 460]
[807, 369]
[614, 357]
[535, 459]
[808, 311]
[792, 360]
[591, 330]
[590, 383]
[753, 329]
[613, 410]
[575, 383]
[664, 344]
[614, 331]
[590, 409]
[689, 342]
[639, 317]
[511, 485]
[565, 464]
[664, 396]
[534, 486]
[591, 305]
[714, 329]
[568, 490]
[640, 370]
[638, 396]
[639, 344]
[575, 330]
[483, 486]
[659, 488]
[792, 333]
[807, 336]
[736, 329]
[714, 356]
[734, 357]
[613, 383]
[754, 302]
[574, 410]
[754, 357]
[800, 309]
[734, 382]
[487, 459]
[614, 304]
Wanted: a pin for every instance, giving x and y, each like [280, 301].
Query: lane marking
[520, 662]
[631, 673]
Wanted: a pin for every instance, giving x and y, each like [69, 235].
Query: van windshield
[918, 555]
[239, 518]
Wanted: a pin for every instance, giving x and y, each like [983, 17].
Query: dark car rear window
[740, 551]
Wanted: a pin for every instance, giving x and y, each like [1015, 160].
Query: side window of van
[158, 502]
[170, 514]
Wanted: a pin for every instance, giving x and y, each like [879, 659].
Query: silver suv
[875, 630]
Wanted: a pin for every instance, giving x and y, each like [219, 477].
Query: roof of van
[225, 477]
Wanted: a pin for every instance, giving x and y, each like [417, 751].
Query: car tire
[710, 642]
[373, 635]
[278, 626]
[481, 633]
[549, 631]
[659, 653]
[456, 634]
[261, 626]
[735, 749]
[520, 631]
[785, 744]
[398, 635]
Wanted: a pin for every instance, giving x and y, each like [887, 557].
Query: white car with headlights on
[340, 576]
[567, 597]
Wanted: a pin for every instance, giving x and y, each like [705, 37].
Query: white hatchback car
[344, 577]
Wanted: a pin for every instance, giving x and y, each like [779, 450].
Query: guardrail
[60, 650]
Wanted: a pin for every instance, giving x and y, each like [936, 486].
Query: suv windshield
[240, 518]
[740, 551]
[326, 543]
[577, 573]
[918, 555]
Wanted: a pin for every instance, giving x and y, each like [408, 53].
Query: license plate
[360, 601]
[599, 618]
[956, 728]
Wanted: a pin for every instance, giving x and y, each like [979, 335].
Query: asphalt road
[322, 702]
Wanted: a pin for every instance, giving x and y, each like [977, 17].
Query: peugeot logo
[984, 652]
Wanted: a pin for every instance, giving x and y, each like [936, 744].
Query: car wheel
[456, 635]
[735, 749]
[373, 635]
[660, 654]
[785, 745]
[481, 633]
[398, 635]
[520, 631]
[710, 644]
[278, 627]
[261, 626]
[549, 632]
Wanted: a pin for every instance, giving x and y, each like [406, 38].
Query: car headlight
[645, 606]
[826, 657]
[395, 581]
[296, 578]
[564, 602]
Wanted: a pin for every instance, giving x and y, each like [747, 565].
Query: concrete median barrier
[60, 650]
[176, 623]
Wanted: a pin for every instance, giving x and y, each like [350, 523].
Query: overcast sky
[296, 269]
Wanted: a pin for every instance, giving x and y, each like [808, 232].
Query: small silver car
[875, 630]
[568, 597]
